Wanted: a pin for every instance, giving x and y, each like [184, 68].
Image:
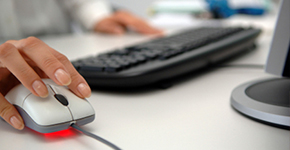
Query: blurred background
[187, 13]
[139, 7]
[142, 7]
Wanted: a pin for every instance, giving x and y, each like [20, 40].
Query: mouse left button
[17, 95]
[30, 123]
[46, 111]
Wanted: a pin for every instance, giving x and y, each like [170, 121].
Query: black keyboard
[165, 58]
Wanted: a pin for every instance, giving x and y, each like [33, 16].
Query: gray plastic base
[51, 128]
[264, 100]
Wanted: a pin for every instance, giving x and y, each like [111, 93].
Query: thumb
[9, 113]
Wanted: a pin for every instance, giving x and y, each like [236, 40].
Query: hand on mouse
[121, 20]
[27, 61]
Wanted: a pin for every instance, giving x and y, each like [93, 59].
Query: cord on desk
[95, 137]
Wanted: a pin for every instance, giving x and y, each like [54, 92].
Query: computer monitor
[278, 62]
[268, 100]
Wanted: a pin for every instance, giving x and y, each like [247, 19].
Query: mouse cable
[95, 137]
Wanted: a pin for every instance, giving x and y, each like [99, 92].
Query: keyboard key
[98, 67]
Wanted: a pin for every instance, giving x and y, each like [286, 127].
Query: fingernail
[84, 90]
[16, 123]
[40, 88]
[62, 76]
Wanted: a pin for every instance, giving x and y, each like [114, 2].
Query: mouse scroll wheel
[61, 99]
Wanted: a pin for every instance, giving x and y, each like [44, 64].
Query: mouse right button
[80, 108]
[17, 95]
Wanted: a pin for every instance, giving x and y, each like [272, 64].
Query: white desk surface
[194, 114]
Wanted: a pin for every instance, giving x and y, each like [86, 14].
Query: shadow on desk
[160, 86]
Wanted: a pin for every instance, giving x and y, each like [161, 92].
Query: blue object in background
[251, 11]
[221, 9]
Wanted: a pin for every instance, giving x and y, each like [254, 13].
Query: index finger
[54, 64]
[39, 52]
[13, 60]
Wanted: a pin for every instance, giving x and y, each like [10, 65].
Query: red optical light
[62, 133]
[58, 134]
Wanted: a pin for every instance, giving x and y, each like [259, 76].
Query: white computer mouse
[53, 113]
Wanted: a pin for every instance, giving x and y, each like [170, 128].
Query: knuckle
[49, 62]
[61, 57]
[75, 76]
[122, 13]
[5, 110]
[25, 72]
[30, 42]
[133, 22]
[32, 39]
[10, 41]
[6, 49]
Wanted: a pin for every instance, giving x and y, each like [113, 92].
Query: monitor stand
[266, 101]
